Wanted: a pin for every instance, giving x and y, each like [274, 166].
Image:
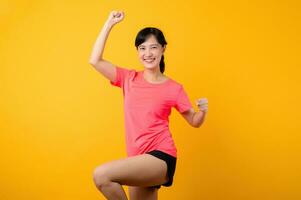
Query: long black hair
[145, 33]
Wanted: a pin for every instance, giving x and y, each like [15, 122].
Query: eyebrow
[149, 45]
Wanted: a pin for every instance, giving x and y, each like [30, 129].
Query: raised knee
[100, 177]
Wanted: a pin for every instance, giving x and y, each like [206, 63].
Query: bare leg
[112, 190]
[145, 193]
[143, 170]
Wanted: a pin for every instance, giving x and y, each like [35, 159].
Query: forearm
[198, 118]
[100, 43]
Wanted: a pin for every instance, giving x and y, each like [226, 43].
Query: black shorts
[171, 165]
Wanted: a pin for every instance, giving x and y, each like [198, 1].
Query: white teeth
[149, 60]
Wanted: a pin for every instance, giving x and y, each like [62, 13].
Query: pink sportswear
[147, 107]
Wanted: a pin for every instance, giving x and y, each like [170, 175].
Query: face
[150, 53]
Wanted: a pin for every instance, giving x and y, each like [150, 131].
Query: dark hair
[145, 33]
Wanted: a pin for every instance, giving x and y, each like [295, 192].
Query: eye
[154, 47]
[141, 48]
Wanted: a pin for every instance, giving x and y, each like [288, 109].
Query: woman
[149, 96]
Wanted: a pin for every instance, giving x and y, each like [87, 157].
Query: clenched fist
[202, 104]
[115, 17]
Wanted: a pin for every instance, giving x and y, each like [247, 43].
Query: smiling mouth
[149, 60]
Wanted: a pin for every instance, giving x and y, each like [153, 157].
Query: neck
[153, 74]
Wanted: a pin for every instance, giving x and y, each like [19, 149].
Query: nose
[148, 52]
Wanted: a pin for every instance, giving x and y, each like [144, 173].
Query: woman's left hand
[202, 104]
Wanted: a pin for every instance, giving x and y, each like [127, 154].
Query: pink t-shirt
[147, 107]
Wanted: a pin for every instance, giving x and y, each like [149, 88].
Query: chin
[149, 66]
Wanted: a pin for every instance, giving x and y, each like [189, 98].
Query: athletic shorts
[171, 165]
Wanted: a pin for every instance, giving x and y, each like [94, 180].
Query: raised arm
[196, 119]
[105, 67]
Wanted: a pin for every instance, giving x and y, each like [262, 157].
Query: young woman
[149, 96]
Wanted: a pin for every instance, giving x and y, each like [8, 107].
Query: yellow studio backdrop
[60, 118]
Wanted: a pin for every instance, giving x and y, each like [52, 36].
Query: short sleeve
[121, 75]
[182, 103]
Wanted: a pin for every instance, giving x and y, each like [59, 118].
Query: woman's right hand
[115, 17]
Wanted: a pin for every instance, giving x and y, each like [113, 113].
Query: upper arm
[182, 103]
[188, 116]
[106, 68]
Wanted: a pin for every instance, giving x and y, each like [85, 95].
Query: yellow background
[60, 118]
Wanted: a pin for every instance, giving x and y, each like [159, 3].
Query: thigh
[145, 193]
[141, 170]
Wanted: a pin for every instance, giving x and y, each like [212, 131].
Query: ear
[164, 47]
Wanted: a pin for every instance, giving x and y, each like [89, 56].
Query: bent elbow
[197, 125]
[92, 62]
